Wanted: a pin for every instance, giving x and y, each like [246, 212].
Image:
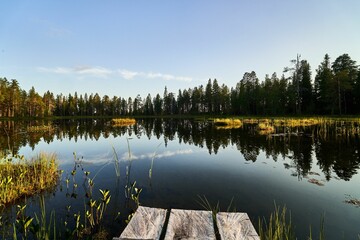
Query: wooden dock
[156, 223]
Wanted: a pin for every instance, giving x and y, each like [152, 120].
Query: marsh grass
[227, 123]
[298, 122]
[214, 209]
[265, 128]
[20, 177]
[41, 128]
[152, 161]
[323, 127]
[278, 227]
[116, 162]
[119, 122]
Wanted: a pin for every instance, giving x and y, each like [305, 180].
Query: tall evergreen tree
[345, 75]
[324, 88]
[158, 102]
[306, 91]
[208, 97]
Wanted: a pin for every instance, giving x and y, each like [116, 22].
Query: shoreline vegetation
[227, 123]
[21, 178]
[120, 122]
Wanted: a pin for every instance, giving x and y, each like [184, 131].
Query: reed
[265, 128]
[278, 227]
[227, 123]
[42, 128]
[20, 177]
[119, 122]
[116, 162]
[292, 122]
[251, 121]
[152, 161]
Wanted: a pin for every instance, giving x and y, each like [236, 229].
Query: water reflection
[333, 153]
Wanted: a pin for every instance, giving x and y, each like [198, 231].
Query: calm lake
[312, 174]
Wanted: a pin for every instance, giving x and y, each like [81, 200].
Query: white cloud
[167, 77]
[125, 156]
[108, 157]
[59, 70]
[127, 74]
[102, 72]
[93, 71]
[79, 70]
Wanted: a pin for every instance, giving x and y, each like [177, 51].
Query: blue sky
[128, 47]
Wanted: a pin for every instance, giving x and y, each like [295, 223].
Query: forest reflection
[331, 152]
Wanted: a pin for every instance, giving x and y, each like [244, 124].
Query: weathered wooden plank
[190, 224]
[147, 223]
[235, 226]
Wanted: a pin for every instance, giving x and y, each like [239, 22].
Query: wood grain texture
[147, 223]
[235, 226]
[190, 224]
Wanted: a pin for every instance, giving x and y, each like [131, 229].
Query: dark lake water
[192, 159]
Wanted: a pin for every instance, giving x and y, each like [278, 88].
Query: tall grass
[152, 161]
[118, 122]
[278, 227]
[227, 123]
[41, 128]
[265, 128]
[20, 177]
[116, 162]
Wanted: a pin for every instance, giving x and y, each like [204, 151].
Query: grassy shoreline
[190, 116]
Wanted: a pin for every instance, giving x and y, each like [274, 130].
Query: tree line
[334, 90]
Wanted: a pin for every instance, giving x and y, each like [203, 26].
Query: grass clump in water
[265, 128]
[301, 122]
[42, 128]
[227, 123]
[20, 177]
[119, 122]
[278, 227]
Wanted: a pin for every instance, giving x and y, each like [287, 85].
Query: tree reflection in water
[331, 152]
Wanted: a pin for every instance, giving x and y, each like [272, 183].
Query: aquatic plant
[322, 230]
[265, 128]
[41, 128]
[152, 161]
[296, 122]
[119, 122]
[20, 177]
[214, 209]
[316, 182]
[116, 162]
[352, 200]
[41, 228]
[278, 227]
[38, 226]
[227, 123]
[97, 208]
